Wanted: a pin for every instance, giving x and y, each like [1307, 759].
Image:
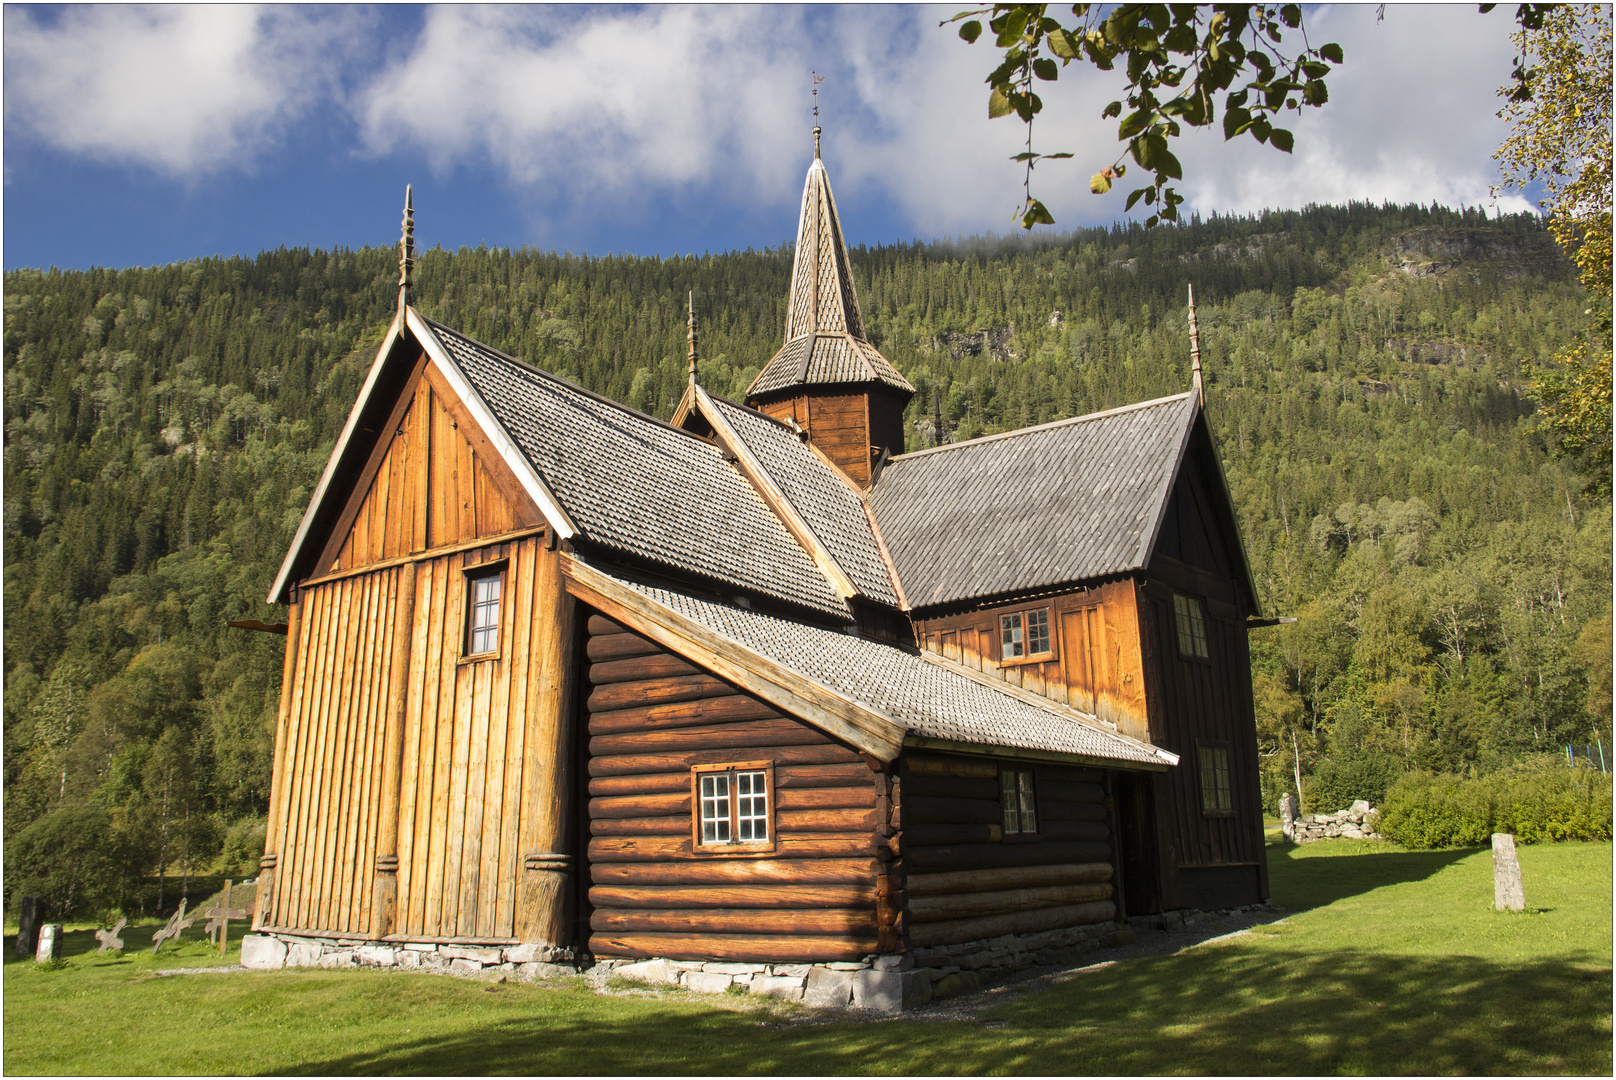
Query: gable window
[1216, 798]
[734, 806]
[1190, 616]
[1024, 634]
[1018, 800]
[483, 590]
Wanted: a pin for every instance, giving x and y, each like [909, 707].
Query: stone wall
[1356, 822]
[263, 951]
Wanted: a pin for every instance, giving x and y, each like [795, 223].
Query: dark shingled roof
[632, 483]
[824, 500]
[925, 697]
[1034, 508]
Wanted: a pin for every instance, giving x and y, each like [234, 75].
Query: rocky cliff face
[996, 341]
[1435, 252]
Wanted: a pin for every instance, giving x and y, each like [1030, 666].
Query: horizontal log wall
[814, 896]
[965, 880]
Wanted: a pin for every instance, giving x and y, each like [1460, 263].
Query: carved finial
[692, 339]
[817, 80]
[406, 248]
[1195, 353]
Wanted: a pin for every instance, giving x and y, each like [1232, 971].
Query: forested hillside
[165, 427]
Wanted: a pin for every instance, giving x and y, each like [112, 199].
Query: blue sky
[137, 136]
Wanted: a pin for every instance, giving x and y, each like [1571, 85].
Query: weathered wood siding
[432, 482]
[820, 894]
[1096, 663]
[1212, 861]
[466, 780]
[965, 880]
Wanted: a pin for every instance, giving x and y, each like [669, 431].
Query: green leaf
[1015, 21]
[1235, 121]
[1045, 69]
[1133, 197]
[1315, 93]
[970, 32]
[1281, 139]
[1135, 123]
[1113, 109]
[1152, 221]
[1167, 165]
[1291, 16]
[1061, 43]
[1036, 214]
[998, 104]
[1100, 183]
[1332, 52]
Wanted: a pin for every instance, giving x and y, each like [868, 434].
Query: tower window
[1189, 613]
[483, 591]
[1024, 634]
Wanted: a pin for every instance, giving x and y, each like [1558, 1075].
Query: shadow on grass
[1298, 882]
[1245, 1009]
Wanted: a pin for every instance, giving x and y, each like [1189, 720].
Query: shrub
[1337, 783]
[1538, 800]
[72, 857]
[244, 846]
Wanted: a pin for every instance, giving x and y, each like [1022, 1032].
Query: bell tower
[827, 378]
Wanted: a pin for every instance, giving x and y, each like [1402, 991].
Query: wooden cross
[219, 917]
[109, 939]
[176, 923]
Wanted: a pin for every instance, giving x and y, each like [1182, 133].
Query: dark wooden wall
[964, 880]
[1210, 861]
[1095, 637]
[820, 895]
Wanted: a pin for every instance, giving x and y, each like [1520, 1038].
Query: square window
[1216, 797]
[1189, 614]
[1018, 801]
[482, 613]
[733, 806]
[1024, 634]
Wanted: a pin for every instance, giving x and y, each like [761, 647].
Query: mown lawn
[1391, 962]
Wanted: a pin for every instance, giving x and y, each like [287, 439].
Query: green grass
[1391, 962]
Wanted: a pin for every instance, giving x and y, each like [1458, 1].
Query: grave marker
[109, 939]
[50, 943]
[1508, 892]
[219, 916]
[176, 923]
[28, 925]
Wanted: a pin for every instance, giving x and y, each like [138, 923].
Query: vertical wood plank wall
[1096, 666]
[651, 717]
[965, 880]
[462, 783]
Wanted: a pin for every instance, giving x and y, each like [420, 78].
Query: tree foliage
[1559, 110]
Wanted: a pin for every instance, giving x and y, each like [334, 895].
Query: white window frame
[737, 812]
[1019, 623]
[477, 576]
[1018, 800]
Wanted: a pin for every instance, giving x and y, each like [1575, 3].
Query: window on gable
[1189, 613]
[733, 806]
[1216, 797]
[483, 590]
[1018, 800]
[1024, 634]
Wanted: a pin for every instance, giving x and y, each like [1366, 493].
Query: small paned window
[1018, 800]
[1190, 616]
[1215, 794]
[732, 805]
[482, 620]
[1024, 633]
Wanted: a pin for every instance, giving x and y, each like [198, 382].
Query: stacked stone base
[1357, 822]
[892, 983]
[262, 951]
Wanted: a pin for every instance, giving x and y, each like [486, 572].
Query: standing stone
[1508, 893]
[1289, 811]
[28, 925]
[50, 943]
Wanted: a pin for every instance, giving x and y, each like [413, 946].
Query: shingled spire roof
[825, 341]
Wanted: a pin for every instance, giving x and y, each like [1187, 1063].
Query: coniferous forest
[165, 427]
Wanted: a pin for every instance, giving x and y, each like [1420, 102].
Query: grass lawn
[1390, 962]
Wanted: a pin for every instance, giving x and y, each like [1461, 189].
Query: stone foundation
[891, 983]
[265, 951]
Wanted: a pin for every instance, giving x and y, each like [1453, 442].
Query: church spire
[406, 249]
[692, 338]
[1195, 355]
[817, 81]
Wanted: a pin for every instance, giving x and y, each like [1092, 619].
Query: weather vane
[817, 80]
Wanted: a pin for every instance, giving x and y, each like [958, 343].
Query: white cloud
[177, 89]
[596, 101]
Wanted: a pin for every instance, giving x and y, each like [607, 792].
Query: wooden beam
[778, 685]
[921, 742]
[430, 553]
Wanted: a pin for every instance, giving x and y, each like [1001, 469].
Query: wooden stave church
[772, 591]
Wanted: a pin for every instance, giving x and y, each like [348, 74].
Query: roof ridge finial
[817, 80]
[406, 248]
[692, 337]
[1195, 355]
